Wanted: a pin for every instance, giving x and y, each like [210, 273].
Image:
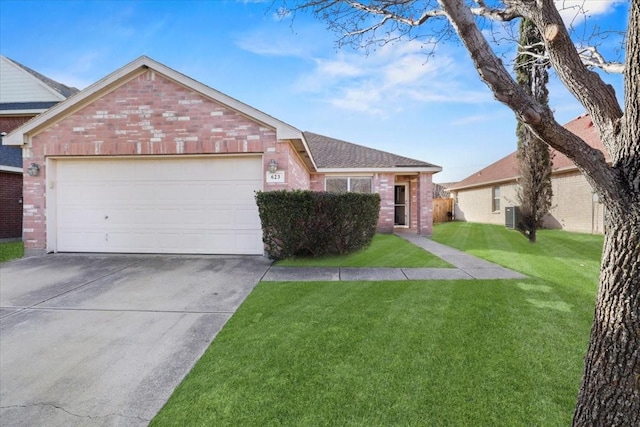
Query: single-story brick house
[148, 160]
[24, 93]
[484, 196]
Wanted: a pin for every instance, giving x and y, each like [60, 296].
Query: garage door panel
[92, 218]
[173, 205]
[245, 219]
[82, 241]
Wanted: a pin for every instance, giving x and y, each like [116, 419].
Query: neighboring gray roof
[10, 156]
[10, 106]
[335, 153]
[64, 90]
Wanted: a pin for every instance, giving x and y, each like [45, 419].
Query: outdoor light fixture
[33, 169]
[273, 165]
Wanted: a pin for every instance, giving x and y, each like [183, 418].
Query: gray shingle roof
[64, 90]
[13, 106]
[335, 153]
[10, 156]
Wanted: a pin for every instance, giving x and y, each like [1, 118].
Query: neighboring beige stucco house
[483, 196]
[148, 160]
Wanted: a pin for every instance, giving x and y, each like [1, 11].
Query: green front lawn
[11, 250]
[386, 250]
[458, 353]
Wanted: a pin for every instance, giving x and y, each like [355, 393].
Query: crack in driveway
[91, 417]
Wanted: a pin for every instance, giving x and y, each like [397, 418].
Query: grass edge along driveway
[480, 352]
[11, 250]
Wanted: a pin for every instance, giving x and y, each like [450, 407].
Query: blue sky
[394, 98]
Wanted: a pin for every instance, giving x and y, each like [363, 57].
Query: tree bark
[610, 391]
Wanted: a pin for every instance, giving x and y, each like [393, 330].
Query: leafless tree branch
[592, 58]
[507, 14]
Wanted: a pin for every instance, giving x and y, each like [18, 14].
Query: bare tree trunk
[610, 391]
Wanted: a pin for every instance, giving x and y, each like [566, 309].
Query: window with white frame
[343, 184]
[495, 205]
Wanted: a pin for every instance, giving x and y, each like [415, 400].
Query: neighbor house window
[343, 184]
[496, 199]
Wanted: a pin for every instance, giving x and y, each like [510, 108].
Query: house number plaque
[277, 176]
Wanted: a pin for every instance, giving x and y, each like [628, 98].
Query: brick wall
[7, 124]
[10, 205]
[316, 182]
[573, 205]
[149, 115]
[296, 174]
[425, 203]
[415, 212]
[383, 184]
[11, 188]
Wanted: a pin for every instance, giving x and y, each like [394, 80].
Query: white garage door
[169, 205]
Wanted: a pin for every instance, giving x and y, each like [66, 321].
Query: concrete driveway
[103, 340]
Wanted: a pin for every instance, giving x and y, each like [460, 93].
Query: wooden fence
[442, 210]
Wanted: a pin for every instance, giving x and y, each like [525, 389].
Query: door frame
[406, 205]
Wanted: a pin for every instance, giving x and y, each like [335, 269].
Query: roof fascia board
[397, 170]
[6, 113]
[10, 169]
[486, 184]
[35, 79]
[306, 148]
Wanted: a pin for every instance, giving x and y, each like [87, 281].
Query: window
[343, 184]
[496, 199]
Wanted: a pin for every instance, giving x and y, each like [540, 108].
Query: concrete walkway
[467, 267]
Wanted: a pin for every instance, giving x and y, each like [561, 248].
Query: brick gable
[151, 114]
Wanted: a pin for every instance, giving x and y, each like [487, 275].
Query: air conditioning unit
[512, 217]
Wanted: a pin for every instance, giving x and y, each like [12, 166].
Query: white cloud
[390, 79]
[338, 68]
[279, 39]
[575, 11]
[363, 99]
[267, 45]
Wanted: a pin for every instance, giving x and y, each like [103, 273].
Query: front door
[401, 203]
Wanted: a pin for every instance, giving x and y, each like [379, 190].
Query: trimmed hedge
[315, 223]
